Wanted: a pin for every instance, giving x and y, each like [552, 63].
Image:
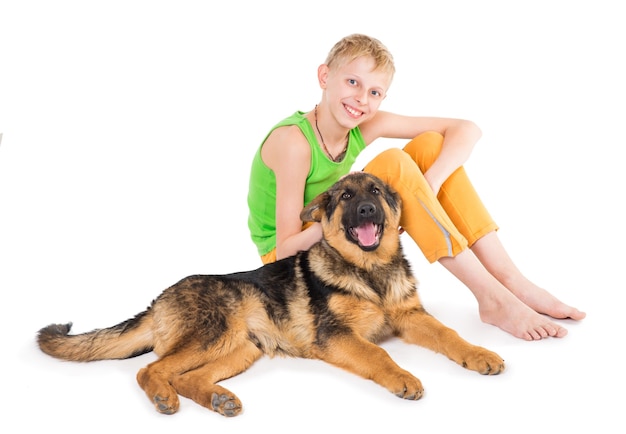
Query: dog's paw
[162, 395]
[226, 405]
[484, 362]
[166, 405]
[408, 387]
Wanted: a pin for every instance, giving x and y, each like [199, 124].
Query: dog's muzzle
[367, 232]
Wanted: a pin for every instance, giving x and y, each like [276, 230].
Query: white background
[128, 129]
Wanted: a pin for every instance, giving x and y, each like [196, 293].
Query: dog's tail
[128, 339]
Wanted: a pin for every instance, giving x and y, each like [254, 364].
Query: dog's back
[262, 305]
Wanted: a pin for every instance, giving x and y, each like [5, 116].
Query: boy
[307, 152]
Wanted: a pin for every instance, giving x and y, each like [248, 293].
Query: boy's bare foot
[514, 317]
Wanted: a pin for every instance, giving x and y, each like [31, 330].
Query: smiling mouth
[367, 235]
[353, 112]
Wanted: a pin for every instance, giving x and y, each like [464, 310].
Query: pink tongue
[366, 234]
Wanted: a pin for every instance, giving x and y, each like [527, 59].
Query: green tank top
[262, 188]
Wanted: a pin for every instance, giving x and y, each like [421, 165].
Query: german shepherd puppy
[332, 302]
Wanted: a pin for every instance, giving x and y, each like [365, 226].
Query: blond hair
[358, 45]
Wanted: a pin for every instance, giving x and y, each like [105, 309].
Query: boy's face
[354, 91]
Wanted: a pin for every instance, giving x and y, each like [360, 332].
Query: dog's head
[360, 215]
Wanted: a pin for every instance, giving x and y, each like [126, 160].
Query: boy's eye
[377, 93]
[352, 81]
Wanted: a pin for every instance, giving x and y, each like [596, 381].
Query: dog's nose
[366, 209]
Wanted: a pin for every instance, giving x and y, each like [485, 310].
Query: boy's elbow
[473, 128]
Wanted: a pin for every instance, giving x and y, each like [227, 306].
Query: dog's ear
[314, 211]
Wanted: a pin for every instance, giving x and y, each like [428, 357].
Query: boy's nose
[362, 97]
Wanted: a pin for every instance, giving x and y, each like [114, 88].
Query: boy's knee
[425, 148]
[392, 157]
[390, 161]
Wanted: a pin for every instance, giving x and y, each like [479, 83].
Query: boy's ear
[322, 75]
[314, 211]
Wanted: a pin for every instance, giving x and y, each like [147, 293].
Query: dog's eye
[346, 195]
[376, 190]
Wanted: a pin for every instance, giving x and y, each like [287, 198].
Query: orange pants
[441, 225]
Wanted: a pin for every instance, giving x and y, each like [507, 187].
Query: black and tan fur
[332, 302]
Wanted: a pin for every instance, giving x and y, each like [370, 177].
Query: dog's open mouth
[366, 235]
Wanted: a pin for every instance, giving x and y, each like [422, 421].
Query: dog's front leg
[420, 328]
[361, 357]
